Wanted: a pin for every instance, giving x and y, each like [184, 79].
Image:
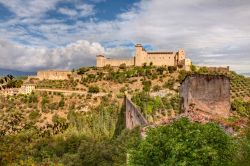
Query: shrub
[123, 89]
[160, 70]
[122, 66]
[34, 114]
[182, 75]
[172, 69]
[156, 88]
[241, 107]
[82, 70]
[94, 89]
[203, 70]
[169, 84]
[61, 103]
[146, 85]
[184, 143]
[193, 68]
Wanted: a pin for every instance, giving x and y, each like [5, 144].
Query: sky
[66, 34]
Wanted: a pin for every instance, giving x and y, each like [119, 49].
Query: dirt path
[70, 91]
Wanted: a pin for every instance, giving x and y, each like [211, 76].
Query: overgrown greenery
[96, 136]
[241, 107]
[10, 81]
[84, 138]
[184, 143]
[153, 107]
[94, 89]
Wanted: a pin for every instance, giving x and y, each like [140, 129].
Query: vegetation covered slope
[88, 128]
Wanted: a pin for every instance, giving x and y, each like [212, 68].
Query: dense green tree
[184, 143]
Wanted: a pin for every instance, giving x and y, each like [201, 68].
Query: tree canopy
[184, 143]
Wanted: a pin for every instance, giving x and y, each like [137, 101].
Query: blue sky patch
[5, 14]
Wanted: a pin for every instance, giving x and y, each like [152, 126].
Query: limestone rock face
[207, 94]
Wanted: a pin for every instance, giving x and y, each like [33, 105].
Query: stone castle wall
[118, 62]
[142, 57]
[53, 75]
[218, 69]
[161, 59]
[209, 94]
[133, 115]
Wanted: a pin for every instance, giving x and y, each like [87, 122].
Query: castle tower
[140, 55]
[100, 61]
[181, 54]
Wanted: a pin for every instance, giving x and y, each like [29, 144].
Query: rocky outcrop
[206, 95]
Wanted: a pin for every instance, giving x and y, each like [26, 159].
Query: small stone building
[27, 88]
[206, 94]
[141, 57]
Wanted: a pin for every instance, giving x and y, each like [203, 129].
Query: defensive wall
[134, 116]
[209, 94]
[218, 69]
[53, 75]
[141, 57]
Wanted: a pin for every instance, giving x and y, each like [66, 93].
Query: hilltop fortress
[143, 57]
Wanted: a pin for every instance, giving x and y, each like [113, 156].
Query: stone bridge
[134, 116]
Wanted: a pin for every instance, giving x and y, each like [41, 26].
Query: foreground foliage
[184, 143]
[85, 138]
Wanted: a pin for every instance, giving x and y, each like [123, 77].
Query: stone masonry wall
[118, 62]
[142, 57]
[53, 75]
[133, 115]
[208, 94]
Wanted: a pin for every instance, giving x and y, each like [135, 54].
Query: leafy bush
[203, 70]
[193, 68]
[169, 84]
[122, 66]
[94, 89]
[61, 102]
[182, 75]
[156, 88]
[184, 143]
[172, 69]
[34, 114]
[241, 107]
[146, 85]
[82, 70]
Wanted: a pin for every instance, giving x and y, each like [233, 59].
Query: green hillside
[88, 128]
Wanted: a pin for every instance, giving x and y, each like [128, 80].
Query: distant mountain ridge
[4, 72]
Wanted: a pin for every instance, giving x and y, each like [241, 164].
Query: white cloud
[80, 53]
[211, 32]
[85, 10]
[29, 8]
[67, 11]
[82, 10]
